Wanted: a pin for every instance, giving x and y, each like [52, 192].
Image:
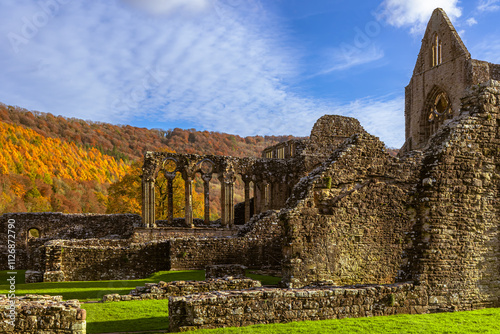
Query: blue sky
[244, 67]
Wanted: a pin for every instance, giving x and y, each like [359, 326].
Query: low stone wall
[222, 270]
[56, 225]
[42, 314]
[257, 245]
[163, 290]
[162, 233]
[96, 259]
[268, 305]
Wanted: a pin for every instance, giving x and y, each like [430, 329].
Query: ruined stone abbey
[354, 231]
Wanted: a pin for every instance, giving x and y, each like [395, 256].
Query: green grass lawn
[132, 316]
[94, 290]
[151, 315]
[481, 321]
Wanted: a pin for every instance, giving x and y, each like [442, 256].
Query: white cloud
[162, 7]
[416, 13]
[488, 49]
[382, 117]
[470, 22]
[224, 68]
[489, 5]
[348, 56]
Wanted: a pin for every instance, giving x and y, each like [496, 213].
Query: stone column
[188, 186]
[206, 188]
[170, 195]
[230, 203]
[148, 202]
[227, 196]
[222, 201]
[247, 198]
[264, 196]
[256, 198]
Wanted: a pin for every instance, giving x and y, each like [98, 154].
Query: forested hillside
[129, 143]
[47, 174]
[50, 163]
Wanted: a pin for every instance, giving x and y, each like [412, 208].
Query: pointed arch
[437, 52]
[437, 109]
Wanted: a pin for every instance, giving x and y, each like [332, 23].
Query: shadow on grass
[94, 290]
[135, 325]
[85, 295]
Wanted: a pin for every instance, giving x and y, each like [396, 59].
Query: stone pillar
[148, 203]
[230, 203]
[222, 202]
[264, 196]
[188, 208]
[170, 194]
[247, 199]
[256, 198]
[206, 189]
[227, 196]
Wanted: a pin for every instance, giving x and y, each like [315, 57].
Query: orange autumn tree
[40, 174]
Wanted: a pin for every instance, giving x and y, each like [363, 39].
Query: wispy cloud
[471, 21]
[222, 65]
[489, 5]
[347, 56]
[488, 49]
[415, 14]
[163, 7]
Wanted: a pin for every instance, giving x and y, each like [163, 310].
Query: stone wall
[268, 305]
[163, 290]
[96, 259]
[223, 270]
[42, 314]
[347, 221]
[163, 233]
[456, 238]
[258, 245]
[62, 226]
[495, 71]
[452, 76]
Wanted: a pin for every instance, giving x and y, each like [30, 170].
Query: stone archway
[437, 109]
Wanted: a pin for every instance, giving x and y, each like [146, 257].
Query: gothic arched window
[437, 57]
[437, 110]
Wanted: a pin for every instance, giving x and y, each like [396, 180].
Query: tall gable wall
[456, 240]
[452, 76]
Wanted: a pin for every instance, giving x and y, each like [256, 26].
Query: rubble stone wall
[95, 259]
[259, 245]
[347, 221]
[163, 290]
[41, 314]
[163, 233]
[456, 247]
[495, 71]
[222, 270]
[52, 225]
[268, 305]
